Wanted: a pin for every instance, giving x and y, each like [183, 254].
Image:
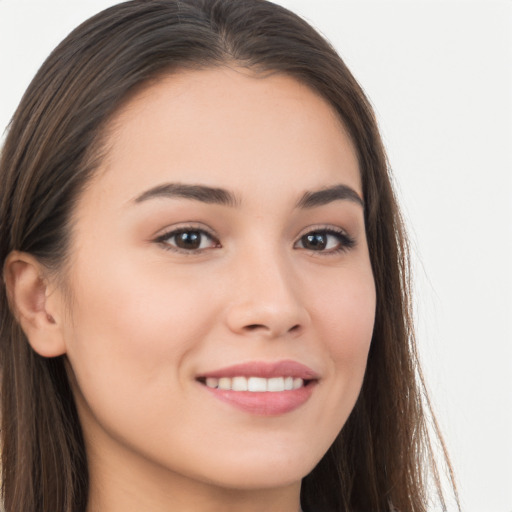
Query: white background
[439, 75]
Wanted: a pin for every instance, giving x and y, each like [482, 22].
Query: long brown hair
[383, 454]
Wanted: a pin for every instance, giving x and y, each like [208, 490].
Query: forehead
[232, 128]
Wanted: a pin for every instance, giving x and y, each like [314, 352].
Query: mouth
[262, 388]
[255, 384]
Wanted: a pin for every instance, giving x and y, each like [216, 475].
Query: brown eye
[325, 240]
[188, 240]
[314, 241]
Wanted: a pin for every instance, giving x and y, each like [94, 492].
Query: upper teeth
[256, 384]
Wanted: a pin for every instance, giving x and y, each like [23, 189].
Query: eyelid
[347, 241]
[322, 227]
[181, 228]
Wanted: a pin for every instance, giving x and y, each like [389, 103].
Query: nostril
[253, 327]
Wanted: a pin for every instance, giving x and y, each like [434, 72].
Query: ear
[36, 307]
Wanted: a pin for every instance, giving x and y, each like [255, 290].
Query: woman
[206, 299]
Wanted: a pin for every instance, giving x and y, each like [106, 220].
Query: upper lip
[284, 368]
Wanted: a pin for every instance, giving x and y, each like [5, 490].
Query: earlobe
[30, 299]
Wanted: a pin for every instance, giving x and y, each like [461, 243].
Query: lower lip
[269, 403]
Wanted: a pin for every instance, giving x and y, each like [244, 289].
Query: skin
[147, 318]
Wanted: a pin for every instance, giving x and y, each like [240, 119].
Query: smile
[255, 384]
[261, 388]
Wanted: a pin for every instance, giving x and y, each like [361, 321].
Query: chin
[263, 471]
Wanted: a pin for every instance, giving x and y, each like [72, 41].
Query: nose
[266, 299]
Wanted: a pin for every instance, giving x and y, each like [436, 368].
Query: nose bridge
[266, 297]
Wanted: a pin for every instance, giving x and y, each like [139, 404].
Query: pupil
[314, 241]
[189, 240]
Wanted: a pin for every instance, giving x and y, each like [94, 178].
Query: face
[223, 294]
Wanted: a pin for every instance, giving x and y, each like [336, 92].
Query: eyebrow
[201, 193]
[213, 195]
[328, 195]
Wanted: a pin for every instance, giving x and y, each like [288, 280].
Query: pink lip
[265, 403]
[285, 368]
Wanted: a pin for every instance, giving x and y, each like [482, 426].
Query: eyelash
[345, 242]
[164, 239]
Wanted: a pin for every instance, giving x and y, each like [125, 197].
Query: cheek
[347, 311]
[343, 314]
[131, 330]
[346, 315]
